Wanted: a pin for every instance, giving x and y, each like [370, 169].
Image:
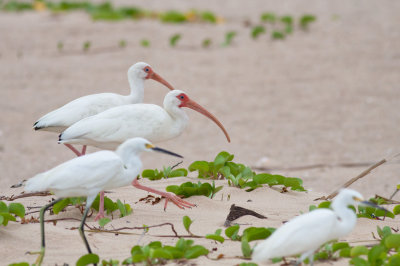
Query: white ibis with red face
[112, 127]
[86, 106]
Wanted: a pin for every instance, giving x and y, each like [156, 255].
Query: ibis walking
[88, 175]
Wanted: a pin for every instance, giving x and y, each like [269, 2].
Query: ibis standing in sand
[63, 117]
[112, 127]
[90, 174]
[306, 233]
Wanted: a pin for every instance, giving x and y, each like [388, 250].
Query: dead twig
[25, 195]
[389, 201]
[354, 179]
[361, 175]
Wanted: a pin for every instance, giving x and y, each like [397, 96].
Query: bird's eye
[146, 69]
[182, 97]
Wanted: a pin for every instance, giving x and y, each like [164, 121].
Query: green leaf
[7, 217]
[392, 241]
[359, 262]
[325, 205]
[232, 232]
[265, 179]
[3, 207]
[206, 43]
[339, 245]
[186, 223]
[59, 206]
[277, 35]
[345, 252]
[358, 250]
[161, 253]
[1, 219]
[174, 39]
[384, 232]
[173, 16]
[121, 208]
[178, 172]
[248, 264]
[175, 252]
[104, 221]
[229, 38]
[216, 236]
[305, 20]
[136, 250]
[268, 17]
[19, 264]
[288, 20]
[246, 249]
[256, 31]
[377, 255]
[256, 233]
[201, 166]
[145, 43]
[17, 208]
[195, 252]
[394, 260]
[148, 173]
[396, 209]
[208, 17]
[88, 259]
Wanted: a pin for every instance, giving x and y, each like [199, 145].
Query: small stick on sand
[354, 179]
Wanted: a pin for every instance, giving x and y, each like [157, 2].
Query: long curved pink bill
[197, 107]
[158, 78]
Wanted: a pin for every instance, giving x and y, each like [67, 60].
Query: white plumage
[88, 175]
[63, 117]
[306, 233]
[111, 127]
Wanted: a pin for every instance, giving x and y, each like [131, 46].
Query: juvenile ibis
[88, 175]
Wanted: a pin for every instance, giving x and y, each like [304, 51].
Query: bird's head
[351, 197]
[180, 99]
[137, 145]
[144, 71]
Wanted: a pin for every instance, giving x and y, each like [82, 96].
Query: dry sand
[325, 96]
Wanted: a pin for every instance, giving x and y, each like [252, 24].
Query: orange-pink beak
[197, 107]
[156, 77]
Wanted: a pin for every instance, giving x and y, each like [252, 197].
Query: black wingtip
[59, 137]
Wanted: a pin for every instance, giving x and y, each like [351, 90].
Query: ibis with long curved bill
[86, 106]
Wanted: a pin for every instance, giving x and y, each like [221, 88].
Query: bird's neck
[178, 116]
[137, 89]
[347, 219]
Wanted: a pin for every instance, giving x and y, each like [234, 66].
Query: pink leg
[83, 150]
[77, 153]
[168, 196]
[101, 207]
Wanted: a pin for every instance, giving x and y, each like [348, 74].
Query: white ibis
[63, 117]
[304, 234]
[113, 126]
[90, 174]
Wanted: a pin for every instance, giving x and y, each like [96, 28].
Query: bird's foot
[39, 259]
[176, 200]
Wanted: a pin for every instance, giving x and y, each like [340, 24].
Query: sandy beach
[327, 96]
